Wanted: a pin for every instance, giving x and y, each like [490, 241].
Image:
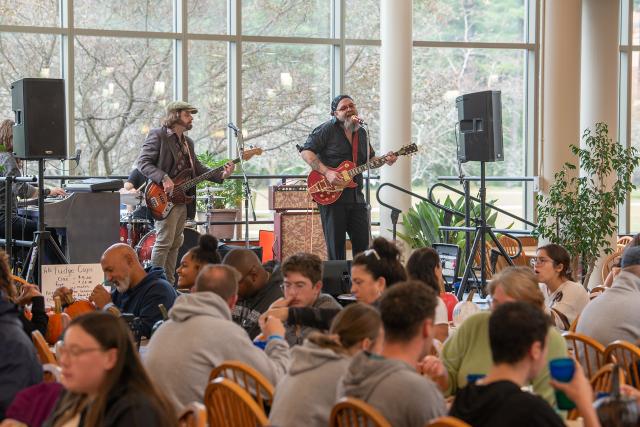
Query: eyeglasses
[346, 107]
[288, 287]
[372, 252]
[73, 351]
[538, 260]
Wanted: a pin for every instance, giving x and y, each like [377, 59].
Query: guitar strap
[354, 145]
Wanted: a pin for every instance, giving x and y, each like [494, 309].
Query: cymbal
[131, 199]
[209, 189]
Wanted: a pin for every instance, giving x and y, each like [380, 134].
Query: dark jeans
[341, 219]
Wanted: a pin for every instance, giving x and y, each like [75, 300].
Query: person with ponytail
[564, 298]
[424, 265]
[197, 257]
[104, 380]
[319, 363]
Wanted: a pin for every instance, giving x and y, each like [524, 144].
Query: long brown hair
[352, 325]
[171, 118]
[128, 374]
[6, 134]
[559, 255]
[422, 266]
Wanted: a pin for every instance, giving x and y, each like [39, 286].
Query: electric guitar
[325, 194]
[160, 203]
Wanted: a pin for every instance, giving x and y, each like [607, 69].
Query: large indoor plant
[580, 212]
[226, 200]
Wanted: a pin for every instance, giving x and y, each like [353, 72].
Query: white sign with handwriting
[81, 278]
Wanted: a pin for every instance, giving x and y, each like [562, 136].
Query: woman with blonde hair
[319, 363]
[467, 352]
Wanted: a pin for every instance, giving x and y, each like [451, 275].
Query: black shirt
[502, 403]
[332, 147]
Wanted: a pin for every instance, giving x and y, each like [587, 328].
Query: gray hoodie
[198, 336]
[305, 396]
[404, 397]
[296, 334]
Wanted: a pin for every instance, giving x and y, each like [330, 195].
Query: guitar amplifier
[298, 232]
[290, 197]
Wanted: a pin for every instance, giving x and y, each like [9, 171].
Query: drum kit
[139, 233]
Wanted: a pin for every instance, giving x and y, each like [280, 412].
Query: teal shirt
[467, 351]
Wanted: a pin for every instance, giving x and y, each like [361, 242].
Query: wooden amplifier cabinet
[298, 232]
[290, 197]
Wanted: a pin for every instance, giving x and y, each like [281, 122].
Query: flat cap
[181, 105]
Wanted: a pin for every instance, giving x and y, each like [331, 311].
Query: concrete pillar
[395, 101]
[599, 77]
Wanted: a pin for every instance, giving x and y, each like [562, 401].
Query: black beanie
[336, 101]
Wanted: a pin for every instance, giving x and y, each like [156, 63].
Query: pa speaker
[40, 125]
[480, 126]
[336, 277]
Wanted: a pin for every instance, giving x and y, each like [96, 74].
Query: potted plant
[226, 201]
[580, 213]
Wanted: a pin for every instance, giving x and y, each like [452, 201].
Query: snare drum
[139, 227]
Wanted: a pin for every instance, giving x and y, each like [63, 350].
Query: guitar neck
[375, 163]
[195, 181]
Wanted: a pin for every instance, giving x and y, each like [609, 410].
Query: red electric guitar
[325, 194]
[160, 204]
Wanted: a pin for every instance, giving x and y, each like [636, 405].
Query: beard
[350, 124]
[123, 285]
[186, 126]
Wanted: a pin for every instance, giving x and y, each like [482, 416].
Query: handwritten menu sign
[81, 278]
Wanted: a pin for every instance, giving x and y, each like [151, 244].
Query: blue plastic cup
[562, 370]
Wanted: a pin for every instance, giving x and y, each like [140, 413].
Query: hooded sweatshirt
[143, 299]
[404, 397]
[198, 336]
[19, 365]
[314, 374]
[247, 311]
[502, 403]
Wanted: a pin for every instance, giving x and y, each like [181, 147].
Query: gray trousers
[169, 238]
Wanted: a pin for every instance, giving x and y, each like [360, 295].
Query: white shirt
[566, 303]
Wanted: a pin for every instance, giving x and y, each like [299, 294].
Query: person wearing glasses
[104, 380]
[372, 271]
[564, 298]
[257, 288]
[302, 287]
[334, 141]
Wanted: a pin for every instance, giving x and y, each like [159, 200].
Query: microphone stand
[367, 194]
[247, 189]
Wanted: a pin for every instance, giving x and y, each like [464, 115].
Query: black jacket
[19, 364]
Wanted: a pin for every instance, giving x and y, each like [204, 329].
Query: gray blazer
[158, 157]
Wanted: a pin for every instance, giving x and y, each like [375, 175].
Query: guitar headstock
[247, 154]
[408, 149]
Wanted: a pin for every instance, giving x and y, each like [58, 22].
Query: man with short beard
[334, 141]
[167, 152]
[135, 290]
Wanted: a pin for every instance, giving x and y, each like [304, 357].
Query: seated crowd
[392, 348]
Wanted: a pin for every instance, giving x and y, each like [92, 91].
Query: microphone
[77, 157]
[232, 126]
[359, 120]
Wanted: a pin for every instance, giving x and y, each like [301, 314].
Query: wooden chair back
[589, 352]
[51, 373]
[352, 412]
[194, 414]
[627, 356]
[248, 378]
[528, 241]
[44, 352]
[607, 265]
[624, 240]
[229, 405]
[477, 257]
[600, 382]
[448, 422]
[574, 324]
[510, 244]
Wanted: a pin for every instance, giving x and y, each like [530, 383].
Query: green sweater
[467, 351]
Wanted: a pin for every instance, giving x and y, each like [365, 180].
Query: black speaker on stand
[479, 139]
[39, 133]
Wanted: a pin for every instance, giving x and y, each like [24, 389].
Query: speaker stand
[480, 240]
[41, 237]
